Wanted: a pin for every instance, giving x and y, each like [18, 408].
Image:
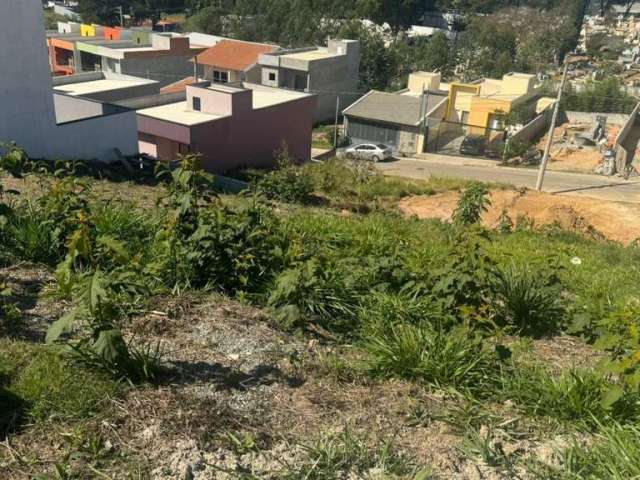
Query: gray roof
[392, 107]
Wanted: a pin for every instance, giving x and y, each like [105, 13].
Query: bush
[315, 292]
[472, 204]
[288, 182]
[527, 299]
[459, 358]
[233, 250]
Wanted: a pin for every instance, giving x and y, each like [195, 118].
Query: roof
[234, 54]
[178, 86]
[310, 55]
[392, 107]
[95, 86]
[179, 113]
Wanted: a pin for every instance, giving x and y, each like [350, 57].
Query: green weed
[345, 454]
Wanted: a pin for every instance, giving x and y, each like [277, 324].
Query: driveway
[594, 186]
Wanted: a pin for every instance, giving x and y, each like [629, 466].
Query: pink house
[230, 126]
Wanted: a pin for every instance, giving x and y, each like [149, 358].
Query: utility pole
[424, 110]
[335, 127]
[552, 127]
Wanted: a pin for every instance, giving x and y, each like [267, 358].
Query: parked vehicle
[369, 151]
[479, 145]
[473, 145]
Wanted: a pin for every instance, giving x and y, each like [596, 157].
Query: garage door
[361, 132]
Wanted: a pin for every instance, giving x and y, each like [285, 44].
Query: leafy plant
[234, 250]
[288, 182]
[615, 454]
[457, 358]
[528, 299]
[472, 204]
[572, 396]
[621, 339]
[315, 292]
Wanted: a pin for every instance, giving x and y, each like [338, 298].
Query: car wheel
[375, 159]
[349, 155]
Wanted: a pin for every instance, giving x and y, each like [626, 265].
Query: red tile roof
[178, 86]
[234, 54]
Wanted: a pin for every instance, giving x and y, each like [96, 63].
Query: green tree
[209, 20]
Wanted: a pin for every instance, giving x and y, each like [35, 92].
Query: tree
[209, 20]
[436, 55]
[399, 14]
[378, 62]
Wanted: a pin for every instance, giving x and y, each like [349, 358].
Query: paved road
[605, 188]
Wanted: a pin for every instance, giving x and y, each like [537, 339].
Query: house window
[220, 77]
[196, 104]
[272, 77]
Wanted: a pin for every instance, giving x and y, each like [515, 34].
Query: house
[481, 104]
[231, 61]
[165, 59]
[105, 86]
[47, 124]
[231, 127]
[400, 120]
[332, 73]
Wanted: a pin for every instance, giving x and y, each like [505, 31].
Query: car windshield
[382, 146]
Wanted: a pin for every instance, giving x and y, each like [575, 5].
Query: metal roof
[392, 107]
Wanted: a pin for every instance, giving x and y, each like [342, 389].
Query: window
[272, 77]
[196, 104]
[220, 77]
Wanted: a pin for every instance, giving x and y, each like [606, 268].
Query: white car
[369, 151]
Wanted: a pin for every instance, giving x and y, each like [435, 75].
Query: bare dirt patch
[617, 221]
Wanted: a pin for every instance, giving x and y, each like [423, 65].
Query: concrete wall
[164, 70]
[627, 141]
[335, 77]
[28, 116]
[328, 78]
[534, 129]
[590, 117]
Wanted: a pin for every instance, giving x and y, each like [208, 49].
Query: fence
[452, 138]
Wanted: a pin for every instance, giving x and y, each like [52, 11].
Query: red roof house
[232, 61]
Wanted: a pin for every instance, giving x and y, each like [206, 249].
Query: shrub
[516, 148]
[528, 299]
[288, 182]
[472, 204]
[233, 250]
[315, 292]
[458, 358]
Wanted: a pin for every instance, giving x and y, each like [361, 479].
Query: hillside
[309, 329]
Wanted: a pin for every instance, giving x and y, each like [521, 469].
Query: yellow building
[92, 30]
[480, 104]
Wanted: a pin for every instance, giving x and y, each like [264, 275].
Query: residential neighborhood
[320, 239]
